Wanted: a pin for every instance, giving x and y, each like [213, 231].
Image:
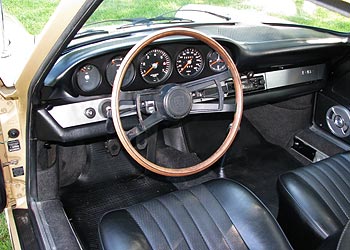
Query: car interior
[283, 182]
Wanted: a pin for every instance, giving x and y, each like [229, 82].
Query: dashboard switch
[90, 113]
[13, 133]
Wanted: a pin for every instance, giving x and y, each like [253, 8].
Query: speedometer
[189, 62]
[155, 66]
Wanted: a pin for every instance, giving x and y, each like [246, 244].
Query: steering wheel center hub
[177, 102]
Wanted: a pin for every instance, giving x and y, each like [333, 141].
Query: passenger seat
[315, 202]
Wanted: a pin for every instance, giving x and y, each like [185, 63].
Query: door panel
[332, 109]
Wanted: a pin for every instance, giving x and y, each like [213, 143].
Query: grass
[322, 18]
[150, 8]
[33, 14]
[5, 243]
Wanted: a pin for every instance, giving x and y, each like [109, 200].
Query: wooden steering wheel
[174, 102]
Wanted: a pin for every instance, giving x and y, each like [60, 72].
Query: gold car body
[14, 107]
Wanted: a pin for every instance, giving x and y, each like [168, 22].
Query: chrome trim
[70, 115]
[286, 77]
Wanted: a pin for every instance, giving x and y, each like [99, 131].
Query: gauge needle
[154, 66]
[186, 65]
[216, 61]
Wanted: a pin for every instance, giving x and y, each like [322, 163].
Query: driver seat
[219, 214]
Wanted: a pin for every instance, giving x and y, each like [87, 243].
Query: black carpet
[258, 169]
[256, 163]
[85, 207]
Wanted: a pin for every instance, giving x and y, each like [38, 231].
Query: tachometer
[113, 67]
[189, 62]
[88, 78]
[215, 62]
[155, 66]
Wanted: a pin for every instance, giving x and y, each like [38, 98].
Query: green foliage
[321, 18]
[33, 14]
[5, 243]
[114, 9]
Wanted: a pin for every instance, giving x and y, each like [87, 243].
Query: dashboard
[76, 92]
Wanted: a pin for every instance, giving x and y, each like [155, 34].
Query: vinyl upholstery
[315, 201]
[344, 242]
[218, 214]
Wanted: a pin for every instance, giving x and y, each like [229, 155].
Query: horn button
[177, 102]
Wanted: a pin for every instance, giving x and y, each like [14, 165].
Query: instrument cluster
[153, 67]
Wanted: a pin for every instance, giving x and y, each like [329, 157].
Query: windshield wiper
[86, 33]
[152, 20]
[147, 21]
[141, 20]
[227, 18]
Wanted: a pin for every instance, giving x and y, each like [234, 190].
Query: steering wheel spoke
[205, 108]
[201, 84]
[144, 125]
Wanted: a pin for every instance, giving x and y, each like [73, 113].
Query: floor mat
[258, 168]
[85, 207]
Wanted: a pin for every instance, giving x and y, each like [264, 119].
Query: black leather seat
[315, 201]
[219, 214]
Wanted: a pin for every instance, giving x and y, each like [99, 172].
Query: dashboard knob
[90, 113]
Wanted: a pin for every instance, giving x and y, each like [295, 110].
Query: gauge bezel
[197, 72]
[125, 84]
[168, 74]
[211, 68]
[79, 86]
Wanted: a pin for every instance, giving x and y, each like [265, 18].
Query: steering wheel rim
[116, 99]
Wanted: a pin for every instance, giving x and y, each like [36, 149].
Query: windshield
[34, 14]
[271, 11]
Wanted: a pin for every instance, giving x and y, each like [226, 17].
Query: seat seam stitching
[341, 163]
[314, 176]
[308, 215]
[233, 224]
[335, 184]
[210, 217]
[343, 166]
[200, 233]
[138, 225]
[336, 170]
[172, 216]
[155, 220]
[343, 234]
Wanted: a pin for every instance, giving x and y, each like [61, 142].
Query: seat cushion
[315, 201]
[219, 214]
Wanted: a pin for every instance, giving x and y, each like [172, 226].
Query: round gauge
[88, 78]
[155, 66]
[112, 68]
[189, 62]
[215, 62]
